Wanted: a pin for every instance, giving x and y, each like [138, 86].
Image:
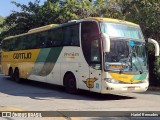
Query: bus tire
[70, 83]
[16, 76]
[10, 73]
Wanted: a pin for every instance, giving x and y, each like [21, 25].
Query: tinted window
[91, 43]
[50, 38]
[55, 38]
[21, 43]
[31, 42]
[95, 53]
[71, 35]
[42, 39]
[6, 45]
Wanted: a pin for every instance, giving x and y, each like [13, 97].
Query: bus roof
[111, 20]
[34, 30]
[42, 28]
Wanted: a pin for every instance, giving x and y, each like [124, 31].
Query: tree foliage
[146, 13]
[1, 21]
[19, 22]
[35, 15]
[105, 8]
[143, 12]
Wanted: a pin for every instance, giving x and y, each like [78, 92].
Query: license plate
[116, 66]
[131, 88]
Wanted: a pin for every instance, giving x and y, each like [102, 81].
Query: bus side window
[6, 45]
[90, 43]
[22, 42]
[71, 35]
[49, 39]
[58, 37]
[55, 38]
[95, 54]
[37, 41]
[12, 44]
[75, 35]
[67, 38]
[32, 41]
[3, 45]
[17, 43]
[43, 39]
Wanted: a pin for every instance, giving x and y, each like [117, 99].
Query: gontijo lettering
[22, 55]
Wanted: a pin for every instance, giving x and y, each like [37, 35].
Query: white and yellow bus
[96, 54]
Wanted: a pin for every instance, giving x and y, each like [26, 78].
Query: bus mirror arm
[106, 43]
[156, 45]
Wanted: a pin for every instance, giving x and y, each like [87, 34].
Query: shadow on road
[43, 91]
[153, 92]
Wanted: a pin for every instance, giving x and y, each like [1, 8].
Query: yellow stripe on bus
[24, 60]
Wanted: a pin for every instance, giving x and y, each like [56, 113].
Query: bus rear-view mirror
[106, 43]
[156, 45]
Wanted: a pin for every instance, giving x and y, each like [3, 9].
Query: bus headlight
[110, 80]
[144, 81]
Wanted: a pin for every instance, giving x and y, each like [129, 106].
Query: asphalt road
[35, 96]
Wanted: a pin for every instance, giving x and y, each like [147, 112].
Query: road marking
[7, 108]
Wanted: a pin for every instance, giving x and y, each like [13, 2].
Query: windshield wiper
[129, 60]
[126, 64]
[141, 71]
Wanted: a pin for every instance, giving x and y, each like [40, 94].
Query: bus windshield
[121, 30]
[127, 48]
[124, 57]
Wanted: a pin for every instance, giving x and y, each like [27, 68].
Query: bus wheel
[70, 84]
[16, 76]
[10, 73]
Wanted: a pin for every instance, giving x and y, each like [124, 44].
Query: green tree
[143, 12]
[106, 8]
[69, 9]
[146, 13]
[53, 11]
[1, 21]
[20, 22]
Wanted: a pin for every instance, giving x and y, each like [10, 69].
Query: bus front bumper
[121, 88]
